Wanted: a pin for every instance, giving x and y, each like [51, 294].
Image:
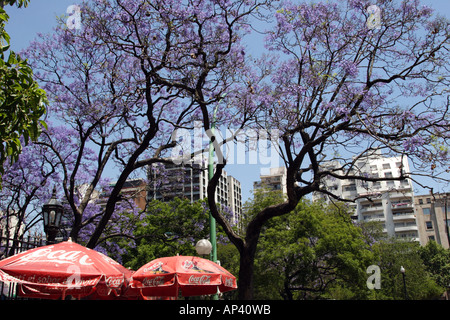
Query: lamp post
[52, 212]
[212, 221]
[402, 270]
[204, 247]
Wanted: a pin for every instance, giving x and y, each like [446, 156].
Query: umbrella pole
[176, 286]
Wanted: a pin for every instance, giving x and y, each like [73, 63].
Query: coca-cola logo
[58, 256]
[228, 282]
[203, 279]
[114, 282]
[153, 282]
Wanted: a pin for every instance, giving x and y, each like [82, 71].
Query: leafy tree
[437, 262]
[138, 71]
[22, 102]
[393, 254]
[26, 187]
[308, 253]
[331, 85]
[168, 229]
[135, 73]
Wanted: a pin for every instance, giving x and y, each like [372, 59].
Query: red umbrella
[192, 276]
[62, 269]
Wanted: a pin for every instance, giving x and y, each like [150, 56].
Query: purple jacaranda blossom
[27, 186]
[122, 84]
[139, 69]
[338, 89]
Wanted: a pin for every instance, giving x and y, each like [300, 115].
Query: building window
[388, 174]
[426, 210]
[429, 225]
[386, 165]
[431, 238]
[420, 201]
[428, 200]
[376, 185]
[351, 187]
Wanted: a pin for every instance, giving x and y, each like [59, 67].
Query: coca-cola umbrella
[188, 275]
[67, 268]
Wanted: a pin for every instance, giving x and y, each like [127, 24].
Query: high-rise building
[274, 181]
[390, 202]
[168, 181]
[191, 182]
[432, 213]
[235, 198]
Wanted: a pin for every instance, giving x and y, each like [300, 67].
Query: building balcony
[374, 217]
[371, 209]
[400, 195]
[407, 228]
[404, 216]
[401, 205]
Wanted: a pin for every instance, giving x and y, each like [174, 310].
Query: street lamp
[402, 270]
[203, 247]
[52, 212]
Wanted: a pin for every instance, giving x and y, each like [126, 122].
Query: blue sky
[40, 17]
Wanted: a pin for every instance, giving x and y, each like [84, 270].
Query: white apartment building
[235, 198]
[390, 202]
[274, 181]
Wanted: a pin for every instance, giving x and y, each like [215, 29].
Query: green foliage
[262, 198]
[22, 102]
[317, 252]
[19, 3]
[305, 254]
[437, 262]
[168, 229]
[392, 255]
[229, 258]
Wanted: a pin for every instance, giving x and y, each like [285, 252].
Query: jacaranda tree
[338, 80]
[341, 82]
[135, 72]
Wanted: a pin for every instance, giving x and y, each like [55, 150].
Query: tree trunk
[245, 284]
